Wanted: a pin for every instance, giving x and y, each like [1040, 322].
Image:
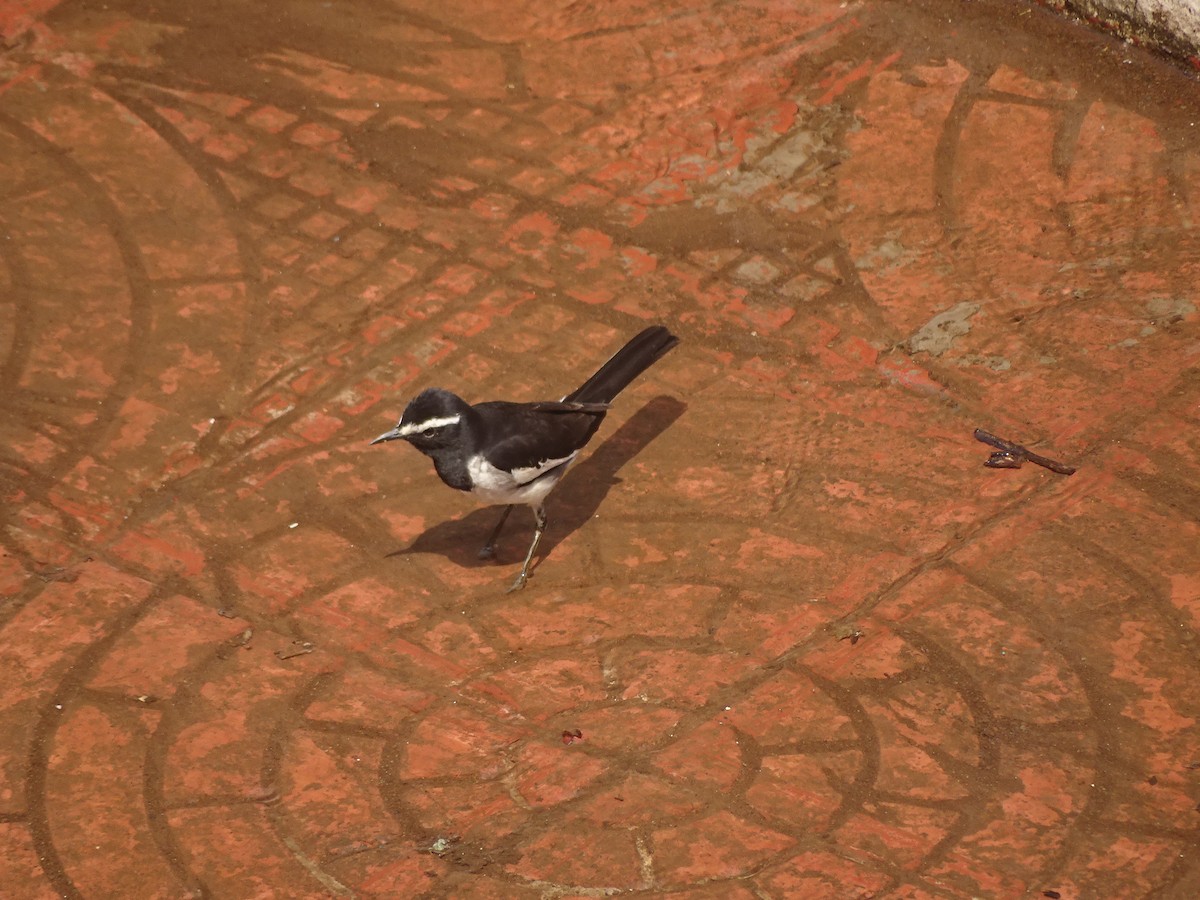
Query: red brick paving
[788, 638]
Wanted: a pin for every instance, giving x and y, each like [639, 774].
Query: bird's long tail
[642, 351]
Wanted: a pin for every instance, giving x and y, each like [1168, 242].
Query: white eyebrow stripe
[415, 427]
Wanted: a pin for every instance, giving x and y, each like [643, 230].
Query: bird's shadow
[570, 506]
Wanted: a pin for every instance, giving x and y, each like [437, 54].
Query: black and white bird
[513, 453]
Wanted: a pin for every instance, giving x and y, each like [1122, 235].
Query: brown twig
[1011, 456]
[302, 648]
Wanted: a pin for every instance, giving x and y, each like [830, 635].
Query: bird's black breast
[452, 469]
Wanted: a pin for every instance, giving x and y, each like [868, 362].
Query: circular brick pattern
[788, 636]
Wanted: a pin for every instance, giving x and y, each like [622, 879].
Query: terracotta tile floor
[789, 637]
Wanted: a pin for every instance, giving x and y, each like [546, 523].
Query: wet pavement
[789, 637]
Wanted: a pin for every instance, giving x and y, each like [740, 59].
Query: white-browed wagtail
[512, 453]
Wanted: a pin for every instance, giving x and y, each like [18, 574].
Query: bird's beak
[392, 435]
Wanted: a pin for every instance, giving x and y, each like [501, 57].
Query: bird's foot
[518, 584]
[488, 550]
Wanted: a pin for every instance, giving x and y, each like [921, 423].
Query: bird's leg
[539, 514]
[488, 550]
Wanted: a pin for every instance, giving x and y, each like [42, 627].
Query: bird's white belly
[529, 486]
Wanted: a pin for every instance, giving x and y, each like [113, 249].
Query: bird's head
[432, 421]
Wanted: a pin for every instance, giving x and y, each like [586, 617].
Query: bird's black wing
[530, 439]
[567, 406]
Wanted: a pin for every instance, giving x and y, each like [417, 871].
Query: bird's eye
[428, 432]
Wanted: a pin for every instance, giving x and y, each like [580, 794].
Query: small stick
[1012, 455]
[304, 647]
